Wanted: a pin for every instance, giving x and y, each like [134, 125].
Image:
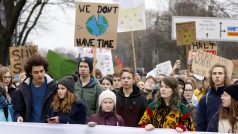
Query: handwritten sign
[210, 47]
[103, 58]
[203, 61]
[235, 70]
[186, 33]
[19, 55]
[164, 68]
[96, 25]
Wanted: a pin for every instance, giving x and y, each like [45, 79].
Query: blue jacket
[207, 107]
[77, 115]
[5, 110]
[213, 124]
[24, 102]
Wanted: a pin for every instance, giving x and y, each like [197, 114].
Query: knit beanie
[106, 94]
[232, 90]
[89, 61]
[68, 82]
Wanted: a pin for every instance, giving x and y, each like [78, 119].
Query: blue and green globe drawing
[97, 27]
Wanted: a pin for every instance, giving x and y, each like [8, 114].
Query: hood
[136, 92]
[93, 81]
[47, 77]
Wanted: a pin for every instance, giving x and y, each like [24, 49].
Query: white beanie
[106, 94]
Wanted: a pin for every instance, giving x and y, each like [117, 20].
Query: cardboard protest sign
[203, 61]
[131, 15]
[96, 25]
[186, 33]
[164, 68]
[210, 47]
[103, 58]
[235, 67]
[19, 55]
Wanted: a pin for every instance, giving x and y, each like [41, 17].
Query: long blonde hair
[64, 105]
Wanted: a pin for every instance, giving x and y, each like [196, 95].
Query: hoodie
[89, 94]
[131, 108]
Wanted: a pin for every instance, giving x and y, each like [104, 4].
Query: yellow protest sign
[186, 33]
[19, 55]
[203, 61]
[96, 25]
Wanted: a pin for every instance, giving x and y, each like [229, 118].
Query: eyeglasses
[7, 77]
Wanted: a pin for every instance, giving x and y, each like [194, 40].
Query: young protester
[35, 94]
[6, 78]
[189, 93]
[107, 83]
[210, 102]
[226, 119]
[131, 103]
[106, 114]
[148, 88]
[167, 111]
[5, 107]
[88, 88]
[116, 78]
[65, 107]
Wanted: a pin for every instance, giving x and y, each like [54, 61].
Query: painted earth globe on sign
[97, 27]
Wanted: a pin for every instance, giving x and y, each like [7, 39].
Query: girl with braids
[167, 111]
[65, 107]
[106, 114]
[226, 119]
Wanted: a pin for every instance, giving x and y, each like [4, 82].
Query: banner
[186, 33]
[203, 61]
[60, 65]
[96, 25]
[19, 55]
[131, 15]
[44, 128]
[103, 58]
[164, 68]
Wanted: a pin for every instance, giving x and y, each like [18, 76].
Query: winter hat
[106, 94]
[68, 82]
[89, 61]
[232, 90]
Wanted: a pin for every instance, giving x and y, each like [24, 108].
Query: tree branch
[27, 22]
[35, 22]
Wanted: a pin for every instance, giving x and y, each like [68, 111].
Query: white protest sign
[131, 15]
[152, 72]
[210, 28]
[103, 58]
[164, 68]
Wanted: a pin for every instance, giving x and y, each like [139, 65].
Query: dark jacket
[207, 107]
[107, 118]
[213, 124]
[131, 108]
[77, 115]
[23, 103]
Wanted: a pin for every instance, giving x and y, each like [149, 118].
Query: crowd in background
[125, 98]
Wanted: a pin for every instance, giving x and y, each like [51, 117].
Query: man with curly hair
[35, 94]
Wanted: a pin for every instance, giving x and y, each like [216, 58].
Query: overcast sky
[60, 31]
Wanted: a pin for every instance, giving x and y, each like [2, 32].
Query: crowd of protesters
[125, 98]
